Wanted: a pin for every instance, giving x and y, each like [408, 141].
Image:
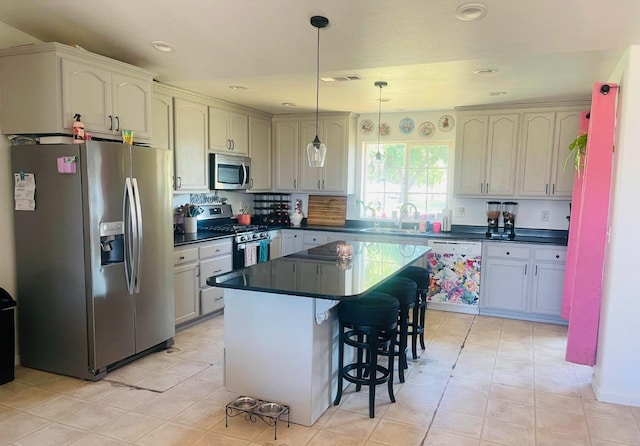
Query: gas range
[216, 219]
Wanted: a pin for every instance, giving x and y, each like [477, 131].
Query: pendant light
[316, 150]
[378, 161]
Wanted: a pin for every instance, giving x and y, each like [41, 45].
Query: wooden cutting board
[327, 210]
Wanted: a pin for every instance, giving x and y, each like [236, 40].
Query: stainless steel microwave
[228, 172]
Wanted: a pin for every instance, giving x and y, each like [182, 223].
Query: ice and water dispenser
[112, 242]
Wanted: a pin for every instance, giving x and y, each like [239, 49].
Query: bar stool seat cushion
[373, 309]
[402, 288]
[419, 275]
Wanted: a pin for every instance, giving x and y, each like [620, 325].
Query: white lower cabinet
[193, 265]
[186, 286]
[522, 281]
[291, 241]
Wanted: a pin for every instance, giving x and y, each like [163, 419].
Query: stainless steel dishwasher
[454, 275]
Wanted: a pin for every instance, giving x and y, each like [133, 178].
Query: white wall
[617, 370]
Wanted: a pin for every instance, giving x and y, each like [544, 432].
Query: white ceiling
[544, 50]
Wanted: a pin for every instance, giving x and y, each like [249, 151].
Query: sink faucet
[404, 209]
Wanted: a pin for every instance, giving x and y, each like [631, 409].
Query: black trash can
[7, 337]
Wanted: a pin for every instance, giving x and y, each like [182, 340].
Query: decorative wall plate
[446, 123]
[385, 129]
[426, 129]
[366, 126]
[406, 125]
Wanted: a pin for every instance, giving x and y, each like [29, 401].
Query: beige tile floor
[481, 381]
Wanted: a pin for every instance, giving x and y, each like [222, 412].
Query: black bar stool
[371, 323]
[421, 277]
[405, 291]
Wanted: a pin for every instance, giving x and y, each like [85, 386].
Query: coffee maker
[509, 211]
[493, 214]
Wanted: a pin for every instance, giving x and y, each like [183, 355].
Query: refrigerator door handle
[130, 235]
[138, 247]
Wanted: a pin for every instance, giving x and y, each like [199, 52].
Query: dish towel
[264, 251]
[250, 254]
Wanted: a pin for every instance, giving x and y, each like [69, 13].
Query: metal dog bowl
[270, 409]
[244, 403]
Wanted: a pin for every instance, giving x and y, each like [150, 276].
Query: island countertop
[319, 272]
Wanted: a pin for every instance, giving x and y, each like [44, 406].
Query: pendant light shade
[378, 161]
[316, 150]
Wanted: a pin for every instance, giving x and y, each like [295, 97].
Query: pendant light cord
[317, 81]
[379, 118]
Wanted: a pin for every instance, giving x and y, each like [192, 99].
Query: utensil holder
[190, 225]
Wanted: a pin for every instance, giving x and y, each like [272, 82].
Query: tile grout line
[435, 412]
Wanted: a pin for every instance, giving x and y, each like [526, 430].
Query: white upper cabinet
[228, 131]
[260, 153]
[544, 143]
[285, 163]
[291, 137]
[486, 150]
[520, 153]
[44, 86]
[162, 119]
[191, 141]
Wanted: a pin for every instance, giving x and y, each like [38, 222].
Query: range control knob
[243, 238]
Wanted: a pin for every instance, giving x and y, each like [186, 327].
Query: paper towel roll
[446, 220]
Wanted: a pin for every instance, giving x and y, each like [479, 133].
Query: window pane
[415, 172]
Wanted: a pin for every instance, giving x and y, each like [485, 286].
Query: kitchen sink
[391, 230]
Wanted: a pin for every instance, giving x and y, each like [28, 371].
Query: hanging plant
[577, 152]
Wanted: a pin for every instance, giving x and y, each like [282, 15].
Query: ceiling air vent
[351, 77]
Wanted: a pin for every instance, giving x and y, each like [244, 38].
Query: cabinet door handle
[486, 191]
[525, 270]
[197, 271]
[546, 189]
[536, 273]
[553, 189]
[233, 145]
[318, 184]
[117, 124]
[295, 182]
[481, 188]
[110, 122]
[322, 184]
[179, 182]
[251, 183]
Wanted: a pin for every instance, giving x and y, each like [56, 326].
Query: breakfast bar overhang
[280, 332]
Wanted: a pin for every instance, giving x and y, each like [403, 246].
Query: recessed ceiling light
[163, 46]
[485, 71]
[237, 87]
[288, 104]
[497, 93]
[471, 12]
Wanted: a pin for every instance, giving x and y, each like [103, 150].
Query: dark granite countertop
[458, 232]
[196, 237]
[318, 272]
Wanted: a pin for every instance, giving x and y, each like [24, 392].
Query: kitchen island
[280, 331]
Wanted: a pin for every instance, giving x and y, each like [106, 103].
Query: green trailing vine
[577, 152]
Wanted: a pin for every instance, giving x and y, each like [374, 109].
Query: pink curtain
[588, 226]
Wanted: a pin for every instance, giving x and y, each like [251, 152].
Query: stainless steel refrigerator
[94, 258]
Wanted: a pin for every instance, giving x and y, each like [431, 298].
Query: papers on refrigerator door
[24, 192]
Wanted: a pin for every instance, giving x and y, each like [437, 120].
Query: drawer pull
[181, 257]
[217, 271]
[219, 298]
[217, 250]
[557, 256]
[508, 253]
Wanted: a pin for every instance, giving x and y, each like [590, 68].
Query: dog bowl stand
[252, 413]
